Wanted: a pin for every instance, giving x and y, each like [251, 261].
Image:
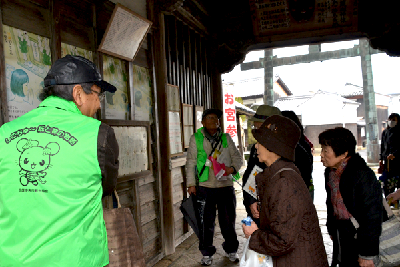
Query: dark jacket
[362, 196]
[107, 154]
[304, 160]
[289, 228]
[253, 161]
[390, 144]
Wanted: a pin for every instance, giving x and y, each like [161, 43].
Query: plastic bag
[250, 258]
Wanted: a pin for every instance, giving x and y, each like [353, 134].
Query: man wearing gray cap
[56, 164]
[208, 144]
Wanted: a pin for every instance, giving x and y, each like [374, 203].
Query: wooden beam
[137, 209]
[160, 64]
[3, 83]
[239, 135]
[55, 40]
[94, 40]
[312, 57]
[215, 83]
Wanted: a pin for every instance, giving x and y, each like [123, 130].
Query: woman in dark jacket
[353, 194]
[304, 158]
[289, 228]
[249, 202]
[390, 154]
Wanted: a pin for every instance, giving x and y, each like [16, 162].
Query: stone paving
[187, 254]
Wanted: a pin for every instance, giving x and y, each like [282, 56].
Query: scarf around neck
[212, 138]
[339, 209]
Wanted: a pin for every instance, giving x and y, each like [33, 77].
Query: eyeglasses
[99, 94]
[211, 117]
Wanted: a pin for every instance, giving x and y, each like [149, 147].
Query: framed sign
[125, 33]
[175, 133]
[134, 148]
[292, 19]
[188, 125]
[174, 117]
[174, 102]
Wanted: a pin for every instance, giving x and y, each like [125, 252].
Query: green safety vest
[50, 189]
[202, 155]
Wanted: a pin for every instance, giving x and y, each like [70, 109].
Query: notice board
[125, 33]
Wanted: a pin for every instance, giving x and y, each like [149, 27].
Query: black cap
[215, 111]
[76, 70]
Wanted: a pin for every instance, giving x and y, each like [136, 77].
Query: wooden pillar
[160, 69]
[268, 77]
[216, 82]
[371, 118]
[239, 135]
[3, 83]
[55, 40]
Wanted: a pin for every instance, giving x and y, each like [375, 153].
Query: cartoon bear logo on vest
[34, 160]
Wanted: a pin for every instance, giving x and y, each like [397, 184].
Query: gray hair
[64, 91]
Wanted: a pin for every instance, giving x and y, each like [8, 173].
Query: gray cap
[263, 112]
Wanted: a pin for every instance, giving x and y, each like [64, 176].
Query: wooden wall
[188, 64]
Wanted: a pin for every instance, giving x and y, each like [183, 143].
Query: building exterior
[280, 90]
[321, 111]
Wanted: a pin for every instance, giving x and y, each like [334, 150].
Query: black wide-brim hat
[279, 135]
[76, 70]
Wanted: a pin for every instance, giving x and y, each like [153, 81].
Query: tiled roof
[296, 101]
[243, 110]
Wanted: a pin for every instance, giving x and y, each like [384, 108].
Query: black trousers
[223, 199]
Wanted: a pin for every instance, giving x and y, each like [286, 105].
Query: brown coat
[289, 228]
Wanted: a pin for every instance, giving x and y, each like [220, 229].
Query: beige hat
[265, 111]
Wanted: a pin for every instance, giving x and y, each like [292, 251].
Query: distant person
[289, 228]
[390, 154]
[218, 192]
[304, 158]
[353, 193]
[56, 164]
[249, 202]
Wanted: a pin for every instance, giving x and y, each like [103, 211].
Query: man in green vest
[56, 163]
[207, 147]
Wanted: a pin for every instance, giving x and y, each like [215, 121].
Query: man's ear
[77, 94]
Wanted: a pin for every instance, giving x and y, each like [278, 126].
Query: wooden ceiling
[238, 26]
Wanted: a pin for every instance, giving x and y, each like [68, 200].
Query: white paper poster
[114, 72]
[27, 60]
[250, 186]
[142, 106]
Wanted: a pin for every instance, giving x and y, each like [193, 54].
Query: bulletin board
[125, 33]
[134, 148]
[174, 117]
